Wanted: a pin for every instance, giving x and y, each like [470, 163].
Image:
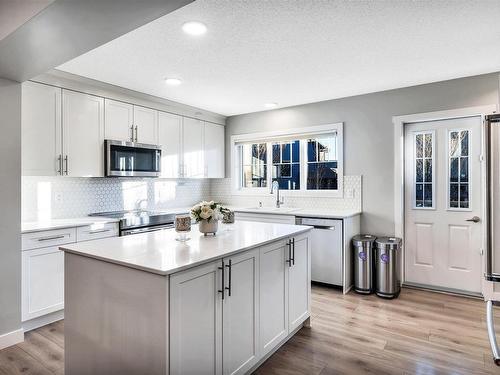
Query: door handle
[222, 282]
[228, 288]
[474, 219]
[293, 251]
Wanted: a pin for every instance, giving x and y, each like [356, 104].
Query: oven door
[127, 159]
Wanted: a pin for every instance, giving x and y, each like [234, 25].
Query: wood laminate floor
[418, 333]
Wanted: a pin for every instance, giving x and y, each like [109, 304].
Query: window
[286, 164]
[458, 197]
[253, 165]
[322, 163]
[424, 171]
[304, 161]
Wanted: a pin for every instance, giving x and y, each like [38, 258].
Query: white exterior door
[145, 125]
[196, 321]
[83, 134]
[241, 313]
[442, 197]
[119, 117]
[170, 140]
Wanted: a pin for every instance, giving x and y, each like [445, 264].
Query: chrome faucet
[276, 187]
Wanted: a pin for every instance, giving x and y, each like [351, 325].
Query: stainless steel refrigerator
[492, 274]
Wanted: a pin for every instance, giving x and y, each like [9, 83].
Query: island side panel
[116, 318]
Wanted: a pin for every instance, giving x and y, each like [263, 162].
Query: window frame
[288, 135]
[448, 171]
[414, 163]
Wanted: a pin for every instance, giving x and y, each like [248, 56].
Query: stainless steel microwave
[129, 159]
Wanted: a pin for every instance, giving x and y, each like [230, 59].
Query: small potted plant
[207, 215]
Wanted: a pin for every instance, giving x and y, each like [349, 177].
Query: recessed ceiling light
[194, 28]
[271, 105]
[173, 81]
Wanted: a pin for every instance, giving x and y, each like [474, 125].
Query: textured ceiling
[294, 52]
[13, 13]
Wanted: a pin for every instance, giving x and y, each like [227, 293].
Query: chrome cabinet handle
[228, 288]
[474, 219]
[491, 333]
[98, 231]
[59, 162]
[222, 282]
[136, 133]
[66, 162]
[50, 238]
[293, 251]
[132, 136]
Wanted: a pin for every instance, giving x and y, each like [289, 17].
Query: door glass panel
[459, 169]
[424, 173]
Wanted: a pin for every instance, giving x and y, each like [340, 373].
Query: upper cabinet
[41, 130]
[214, 150]
[131, 123]
[170, 140]
[83, 134]
[193, 158]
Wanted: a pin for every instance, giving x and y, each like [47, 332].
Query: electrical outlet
[58, 197]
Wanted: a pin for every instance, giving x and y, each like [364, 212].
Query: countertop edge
[301, 212]
[181, 268]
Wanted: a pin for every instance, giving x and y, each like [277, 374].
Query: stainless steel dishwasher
[326, 249]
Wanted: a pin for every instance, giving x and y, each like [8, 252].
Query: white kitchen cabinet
[196, 321]
[42, 282]
[240, 312]
[119, 119]
[299, 288]
[273, 303]
[83, 134]
[41, 129]
[214, 150]
[170, 140]
[145, 125]
[192, 146]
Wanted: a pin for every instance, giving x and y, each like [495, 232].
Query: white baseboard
[11, 338]
[43, 320]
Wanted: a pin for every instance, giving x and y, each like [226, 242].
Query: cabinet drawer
[56, 237]
[96, 231]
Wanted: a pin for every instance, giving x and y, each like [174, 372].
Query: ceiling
[13, 13]
[295, 52]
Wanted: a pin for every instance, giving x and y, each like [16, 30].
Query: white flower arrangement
[207, 211]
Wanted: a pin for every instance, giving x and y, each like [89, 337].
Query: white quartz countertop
[305, 212]
[159, 252]
[36, 226]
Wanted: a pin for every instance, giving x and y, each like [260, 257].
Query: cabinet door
[83, 134]
[170, 138]
[193, 165]
[299, 283]
[196, 321]
[145, 125]
[42, 282]
[241, 313]
[41, 129]
[214, 150]
[273, 295]
[119, 118]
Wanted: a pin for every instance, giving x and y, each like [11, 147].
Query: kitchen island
[148, 304]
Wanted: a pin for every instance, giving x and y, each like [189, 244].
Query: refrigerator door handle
[491, 332]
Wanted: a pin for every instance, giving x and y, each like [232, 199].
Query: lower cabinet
[226, 315]
[43, 282]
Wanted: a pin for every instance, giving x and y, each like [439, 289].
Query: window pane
[419, 146]
[286, 172]
[428, 195]
[454, 144]
[312, 151]
[296, 152]
[464, 169]
[419, 195]
[454, 170]
[464, 195]
[428, 145]
[465, 142]
[321, 176]
[428, 170]
[285, 153]
[419, 170]
[253, 165]
[454, 195]
[276, 153]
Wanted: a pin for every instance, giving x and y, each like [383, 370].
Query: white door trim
[399, 172]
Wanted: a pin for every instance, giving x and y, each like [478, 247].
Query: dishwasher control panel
[316, 222]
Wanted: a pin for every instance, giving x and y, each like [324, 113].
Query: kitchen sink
[272, 209]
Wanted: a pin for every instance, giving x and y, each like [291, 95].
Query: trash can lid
[359, 239]
[393, 243]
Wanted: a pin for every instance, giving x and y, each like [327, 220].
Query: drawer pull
[99, 231]
[51, 238]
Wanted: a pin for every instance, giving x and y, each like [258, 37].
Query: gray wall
[10, 203]
[368, 132]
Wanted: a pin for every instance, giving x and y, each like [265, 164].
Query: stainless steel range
[140, 221]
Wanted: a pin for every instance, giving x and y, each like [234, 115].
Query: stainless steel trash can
[363, 263]
[387, 258]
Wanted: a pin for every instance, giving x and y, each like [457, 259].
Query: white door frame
[399, 167]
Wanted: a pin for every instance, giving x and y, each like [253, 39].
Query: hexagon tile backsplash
[66, 197]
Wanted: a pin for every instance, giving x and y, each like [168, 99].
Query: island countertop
[159, 252]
